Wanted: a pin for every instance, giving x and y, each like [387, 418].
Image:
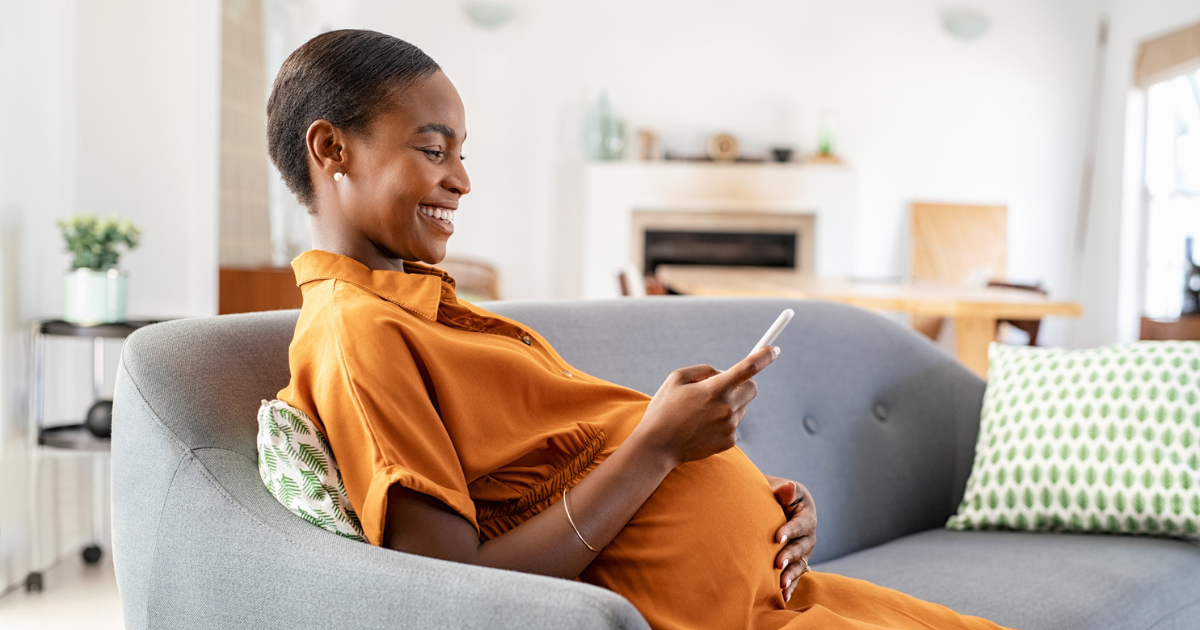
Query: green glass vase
[95, 296]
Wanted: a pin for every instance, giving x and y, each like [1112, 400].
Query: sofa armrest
[301, 574]
[200, 543]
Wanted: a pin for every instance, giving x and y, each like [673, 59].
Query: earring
[337, 177]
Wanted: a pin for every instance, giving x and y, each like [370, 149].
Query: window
[1172, 191]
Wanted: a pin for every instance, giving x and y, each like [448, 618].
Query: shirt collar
[417, 289]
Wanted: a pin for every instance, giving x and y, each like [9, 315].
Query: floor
[76, 595]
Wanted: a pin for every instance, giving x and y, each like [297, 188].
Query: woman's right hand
[697, 410]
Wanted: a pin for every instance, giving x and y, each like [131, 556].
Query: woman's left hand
[798, 535]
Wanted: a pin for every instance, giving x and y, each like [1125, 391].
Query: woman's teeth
[437, 213]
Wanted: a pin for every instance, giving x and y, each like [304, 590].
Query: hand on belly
[707, 532]
[798, 535]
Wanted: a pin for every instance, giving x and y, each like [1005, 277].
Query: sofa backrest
[878, 423]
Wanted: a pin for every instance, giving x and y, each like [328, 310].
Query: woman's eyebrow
[438, 128]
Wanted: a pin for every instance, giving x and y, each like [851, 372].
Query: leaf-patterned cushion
[297, 465]
[1101, 440]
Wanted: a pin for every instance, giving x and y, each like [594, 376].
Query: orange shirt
[413, 387]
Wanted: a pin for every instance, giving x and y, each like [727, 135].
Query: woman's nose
[458, 181]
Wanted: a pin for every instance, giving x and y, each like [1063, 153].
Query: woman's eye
[433, 154]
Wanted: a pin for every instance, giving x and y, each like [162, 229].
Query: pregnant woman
[462, 435]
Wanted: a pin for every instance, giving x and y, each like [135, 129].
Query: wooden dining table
[974, 311]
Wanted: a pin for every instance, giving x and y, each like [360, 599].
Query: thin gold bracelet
[572, 522]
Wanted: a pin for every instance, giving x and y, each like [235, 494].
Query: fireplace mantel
[615, 190]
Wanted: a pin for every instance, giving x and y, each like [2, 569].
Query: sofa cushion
[1036, 581]
[1104, 439]
[297, 466]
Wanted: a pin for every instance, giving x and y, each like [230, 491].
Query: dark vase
[99, 419]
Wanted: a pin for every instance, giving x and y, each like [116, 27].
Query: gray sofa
[877, 422]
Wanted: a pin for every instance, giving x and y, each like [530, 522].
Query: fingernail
[787, 598]
[775, 350]
[782, 538]
[787, 583]
[785, 561]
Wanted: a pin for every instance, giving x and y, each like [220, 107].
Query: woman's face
[406, 169]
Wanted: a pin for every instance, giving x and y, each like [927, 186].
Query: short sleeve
[382, 424]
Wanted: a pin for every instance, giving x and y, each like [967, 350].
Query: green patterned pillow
[296, 464]
[1103, 440]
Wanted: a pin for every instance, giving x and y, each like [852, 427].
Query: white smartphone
[773, 332]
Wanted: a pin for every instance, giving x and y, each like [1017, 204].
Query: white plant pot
[93, 297]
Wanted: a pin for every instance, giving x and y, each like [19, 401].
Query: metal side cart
[75, 437]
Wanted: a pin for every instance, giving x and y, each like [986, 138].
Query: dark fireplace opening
[756, 249]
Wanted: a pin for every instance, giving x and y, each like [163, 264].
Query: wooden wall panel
[244, 221]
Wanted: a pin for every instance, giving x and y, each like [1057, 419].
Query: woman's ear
[326, 150]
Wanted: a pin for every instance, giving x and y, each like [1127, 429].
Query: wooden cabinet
[1186, 328]
[246, 290]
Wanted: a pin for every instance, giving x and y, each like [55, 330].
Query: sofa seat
[1041, 581]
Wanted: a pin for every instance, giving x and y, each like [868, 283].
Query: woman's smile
[440, 218]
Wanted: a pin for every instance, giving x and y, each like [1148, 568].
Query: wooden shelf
[74, 437]
[118, 330]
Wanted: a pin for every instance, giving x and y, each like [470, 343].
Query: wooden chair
[953, 244]
[474, 280]
[634, 284]
[1028, 326]
[962, 244]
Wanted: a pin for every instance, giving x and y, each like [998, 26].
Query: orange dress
[413, 387]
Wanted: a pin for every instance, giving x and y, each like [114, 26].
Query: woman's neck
[334, 238]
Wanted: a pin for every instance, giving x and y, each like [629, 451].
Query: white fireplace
[623, 200]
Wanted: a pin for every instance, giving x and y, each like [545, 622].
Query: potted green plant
[95, 290]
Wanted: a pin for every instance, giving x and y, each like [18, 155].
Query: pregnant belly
[700, 552]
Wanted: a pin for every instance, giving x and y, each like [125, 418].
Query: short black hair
[345, 77]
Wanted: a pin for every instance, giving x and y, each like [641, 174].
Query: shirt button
[527, 340]
[567, 373]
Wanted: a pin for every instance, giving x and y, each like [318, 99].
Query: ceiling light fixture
[489, 14]
[965, 24]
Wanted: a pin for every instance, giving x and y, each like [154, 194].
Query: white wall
[32, 183]
[921, 116]
[1108, 283]
[111, 108]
